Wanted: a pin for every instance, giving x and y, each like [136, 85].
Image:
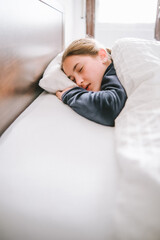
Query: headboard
[31, 34]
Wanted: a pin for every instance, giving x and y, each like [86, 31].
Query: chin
[96, 89]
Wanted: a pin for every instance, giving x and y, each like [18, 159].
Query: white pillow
[135, 61]
[54, 78]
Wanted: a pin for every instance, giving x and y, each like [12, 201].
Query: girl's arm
[101, 107]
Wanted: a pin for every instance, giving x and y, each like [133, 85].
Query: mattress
[58, 175]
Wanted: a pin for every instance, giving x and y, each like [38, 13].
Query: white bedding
[64, 177]
[58, 175]
[54, 79]
[137, 134]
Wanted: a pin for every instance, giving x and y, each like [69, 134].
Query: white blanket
[137, 213]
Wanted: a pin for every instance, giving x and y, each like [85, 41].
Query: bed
[64, 177]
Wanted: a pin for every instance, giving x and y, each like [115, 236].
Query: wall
[113, 21]
[108, 33]
[74, 24]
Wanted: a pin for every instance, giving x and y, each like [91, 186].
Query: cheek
[93, 72]
[96, 75]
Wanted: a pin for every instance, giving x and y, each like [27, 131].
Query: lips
[87, 87]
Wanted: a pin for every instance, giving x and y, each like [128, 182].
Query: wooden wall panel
[31, 34]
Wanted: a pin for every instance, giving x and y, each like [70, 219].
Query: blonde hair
[84, 46]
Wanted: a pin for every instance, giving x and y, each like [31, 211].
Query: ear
[103, 55]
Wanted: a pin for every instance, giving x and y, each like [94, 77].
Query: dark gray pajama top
[102, 106]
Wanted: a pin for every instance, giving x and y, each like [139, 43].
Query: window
[126, 11]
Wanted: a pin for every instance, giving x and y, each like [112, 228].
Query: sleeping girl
[99, 95]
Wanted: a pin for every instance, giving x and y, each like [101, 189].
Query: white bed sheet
[58, 175]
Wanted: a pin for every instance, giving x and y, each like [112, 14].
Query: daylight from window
[126, 11]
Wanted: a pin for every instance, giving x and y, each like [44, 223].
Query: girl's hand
[60, 93]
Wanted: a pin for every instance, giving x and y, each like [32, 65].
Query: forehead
[71, 61]
[74, 58]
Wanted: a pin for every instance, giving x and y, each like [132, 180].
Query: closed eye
[72, 79]
[80, 69]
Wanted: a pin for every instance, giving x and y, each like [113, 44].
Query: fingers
[59, 94]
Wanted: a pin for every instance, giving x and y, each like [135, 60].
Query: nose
[79, 81]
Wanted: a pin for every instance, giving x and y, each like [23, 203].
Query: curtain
[157, 26]
[90, 17]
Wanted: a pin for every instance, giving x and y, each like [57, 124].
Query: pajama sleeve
[101, 107]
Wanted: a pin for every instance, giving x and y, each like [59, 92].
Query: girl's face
[85, 70]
